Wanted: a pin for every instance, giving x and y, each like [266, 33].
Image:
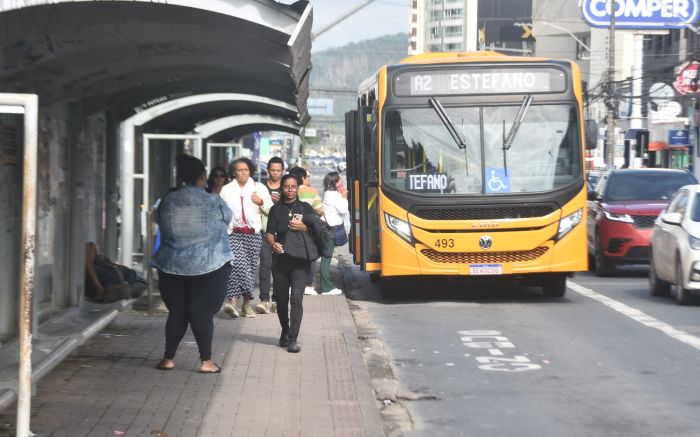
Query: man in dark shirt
[275, 168]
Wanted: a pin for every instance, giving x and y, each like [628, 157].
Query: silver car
[674, 250]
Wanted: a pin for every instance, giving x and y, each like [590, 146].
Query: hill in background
[337, 73]
[345, 67]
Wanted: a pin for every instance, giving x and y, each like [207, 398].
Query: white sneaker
[310, 291]
[333, 292]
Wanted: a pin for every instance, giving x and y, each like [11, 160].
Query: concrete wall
[76, 194]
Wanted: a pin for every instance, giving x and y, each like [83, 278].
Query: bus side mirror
[590, 133]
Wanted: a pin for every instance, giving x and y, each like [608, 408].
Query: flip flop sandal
[218, 370]
[159, 366]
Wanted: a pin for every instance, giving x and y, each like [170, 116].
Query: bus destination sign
[479, 81]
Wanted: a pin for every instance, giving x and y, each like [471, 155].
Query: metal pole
[636, 115]
[147, 258]
[612, 102]
[27, 263]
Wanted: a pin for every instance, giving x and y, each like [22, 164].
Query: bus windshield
[421, 157]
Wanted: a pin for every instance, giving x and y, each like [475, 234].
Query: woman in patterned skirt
[247, 199]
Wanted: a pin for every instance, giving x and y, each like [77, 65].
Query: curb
[363, 383]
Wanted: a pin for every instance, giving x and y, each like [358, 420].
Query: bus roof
[448, 57]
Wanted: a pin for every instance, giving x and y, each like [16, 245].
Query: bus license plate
[485, 269]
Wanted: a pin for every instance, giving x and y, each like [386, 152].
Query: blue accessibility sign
[642, 14]
[678, 137]
[497, 181]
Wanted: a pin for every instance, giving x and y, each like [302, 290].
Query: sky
[381, 17]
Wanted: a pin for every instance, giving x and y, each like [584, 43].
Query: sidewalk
[111, 387]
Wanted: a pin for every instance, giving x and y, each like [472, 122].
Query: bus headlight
[568, 223]
[400, 227]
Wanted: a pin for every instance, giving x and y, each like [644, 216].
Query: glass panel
[645, 186]
[545, 153]
[695, 216]
[420, 155]
[372, 226]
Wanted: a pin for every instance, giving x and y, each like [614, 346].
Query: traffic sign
[687, 81]
[642, 14]
[678, 137]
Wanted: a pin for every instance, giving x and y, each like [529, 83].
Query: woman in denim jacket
[193, 261]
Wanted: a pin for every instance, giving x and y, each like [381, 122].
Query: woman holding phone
[286, 216]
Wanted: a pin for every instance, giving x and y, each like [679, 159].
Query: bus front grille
[480, 213]
[483, 257]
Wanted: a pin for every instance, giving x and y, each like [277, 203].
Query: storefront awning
[657, 145]
[660, 145]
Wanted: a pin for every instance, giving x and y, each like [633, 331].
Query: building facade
[646, 64]
[469, 25]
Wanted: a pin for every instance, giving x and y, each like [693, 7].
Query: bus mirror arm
[440, 111]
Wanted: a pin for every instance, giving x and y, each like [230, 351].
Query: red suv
[622, 211]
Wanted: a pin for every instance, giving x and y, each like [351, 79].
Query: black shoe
[293, 347]
[284, 339]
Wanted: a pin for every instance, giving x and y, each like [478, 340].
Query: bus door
[365, 200]
[353, 183]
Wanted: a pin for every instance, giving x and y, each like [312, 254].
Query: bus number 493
[445, 243]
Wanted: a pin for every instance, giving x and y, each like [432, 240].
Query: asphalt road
[501, 359]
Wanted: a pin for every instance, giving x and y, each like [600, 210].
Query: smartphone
[296, 217]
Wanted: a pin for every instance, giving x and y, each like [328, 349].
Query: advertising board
[641, 14]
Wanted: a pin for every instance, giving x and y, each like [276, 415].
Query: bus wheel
[554, 285]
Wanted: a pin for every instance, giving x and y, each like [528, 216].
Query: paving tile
[112, 384]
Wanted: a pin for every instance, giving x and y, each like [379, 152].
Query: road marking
[496, 361]
[639, 316]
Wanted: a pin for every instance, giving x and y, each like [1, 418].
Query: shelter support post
[28, 104]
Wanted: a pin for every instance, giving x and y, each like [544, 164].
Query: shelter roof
[126, 56]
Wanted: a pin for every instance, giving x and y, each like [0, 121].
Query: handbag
[340, 237]
[300, 245]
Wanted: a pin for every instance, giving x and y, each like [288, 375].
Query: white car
[674, 251]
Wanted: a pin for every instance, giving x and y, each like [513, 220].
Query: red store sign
[687, 81]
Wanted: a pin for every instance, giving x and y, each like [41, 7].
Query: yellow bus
[466, 164]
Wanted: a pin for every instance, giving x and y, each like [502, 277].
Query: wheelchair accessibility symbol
[497, 181]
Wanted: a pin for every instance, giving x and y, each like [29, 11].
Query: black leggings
[289, 272]
[192, 300]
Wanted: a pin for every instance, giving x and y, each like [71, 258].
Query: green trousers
[326, 281]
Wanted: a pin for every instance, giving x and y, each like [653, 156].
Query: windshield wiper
[508, 140]
[440, 111]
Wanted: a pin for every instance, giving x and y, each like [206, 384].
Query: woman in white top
[247, 199]
[335, 206]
